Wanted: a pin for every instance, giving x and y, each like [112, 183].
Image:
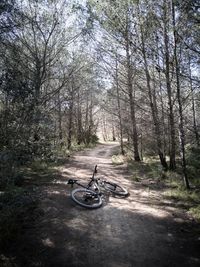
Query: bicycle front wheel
[115, 189]
[86, 198]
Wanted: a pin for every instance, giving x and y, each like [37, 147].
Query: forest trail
[140, 230]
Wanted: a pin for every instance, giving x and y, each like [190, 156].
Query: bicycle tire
[115, 189]
[86, 198]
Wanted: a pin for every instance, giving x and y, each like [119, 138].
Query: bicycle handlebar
[72, 181]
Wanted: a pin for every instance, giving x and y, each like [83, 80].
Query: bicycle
[90, 195]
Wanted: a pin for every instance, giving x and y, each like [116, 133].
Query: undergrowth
[174, 188]
[188, 199]
[19, 200]
[118, 159]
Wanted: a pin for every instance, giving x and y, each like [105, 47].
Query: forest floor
[144, 229]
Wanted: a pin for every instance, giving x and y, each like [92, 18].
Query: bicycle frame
[91, 195]
[92, 181]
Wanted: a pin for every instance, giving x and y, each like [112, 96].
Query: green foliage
[193, 161]
[195, 212]
[38, 166]
[172, 182]
[181, 194]
[75, 147]
[40, 172]
[187, 199]
[118, 159]
[94, 139]
[150, 169]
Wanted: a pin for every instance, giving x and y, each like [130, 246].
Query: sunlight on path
[139, 201]
[133, 231]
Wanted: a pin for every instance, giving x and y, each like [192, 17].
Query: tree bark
[130, 94]
[181, 123]
[119, 110]
[153, 106]
[169, 93]
[193, 107]
[164, 130]
[59, 118]
[71, 108]
[79, 120]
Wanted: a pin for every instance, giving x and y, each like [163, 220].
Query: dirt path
[140, 230]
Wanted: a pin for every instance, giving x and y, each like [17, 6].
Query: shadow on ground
[140, 230]
[114, 235]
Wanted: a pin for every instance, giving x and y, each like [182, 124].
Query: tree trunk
[164, 130]
[37, 92]
[130, 94]
[79, 120]
[119, 110]
[89, 134]
[181, 123]
[193, 107]
[169, 93]
[113, 132]
[5, 121]
[153, 105]
[71, 108]
[59, 118]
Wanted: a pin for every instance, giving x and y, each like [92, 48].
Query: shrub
[193, 161]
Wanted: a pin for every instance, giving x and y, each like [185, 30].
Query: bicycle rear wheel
[86, 198]
[115, 189]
